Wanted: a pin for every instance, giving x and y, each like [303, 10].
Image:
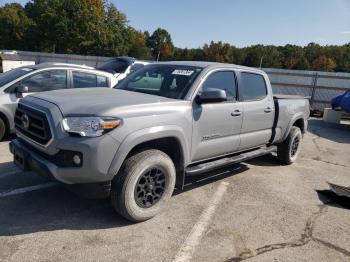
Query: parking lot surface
[255, 211]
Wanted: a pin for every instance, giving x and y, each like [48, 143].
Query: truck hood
[97, 101]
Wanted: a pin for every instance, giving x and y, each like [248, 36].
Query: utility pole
[261, 61]
[160, 46]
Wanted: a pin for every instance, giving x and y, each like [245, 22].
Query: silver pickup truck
[165, 122]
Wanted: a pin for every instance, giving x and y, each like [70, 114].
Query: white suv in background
[121, 66]
[21, 81]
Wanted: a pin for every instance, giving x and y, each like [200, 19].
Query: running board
[216, 164]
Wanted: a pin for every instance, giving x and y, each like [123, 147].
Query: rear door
[217, 126]
[258, 110]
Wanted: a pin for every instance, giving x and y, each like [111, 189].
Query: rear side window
[86, 80]
[224, 80]
[102, 81]
[253, 87]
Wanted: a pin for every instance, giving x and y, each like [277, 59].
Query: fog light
[76, 160]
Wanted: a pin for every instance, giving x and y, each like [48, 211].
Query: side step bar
[222, 162]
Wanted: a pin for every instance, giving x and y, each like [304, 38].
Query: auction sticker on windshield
[183, 72]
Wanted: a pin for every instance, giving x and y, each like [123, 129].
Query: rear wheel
[2, 129]
[288, 150]
[144, 183]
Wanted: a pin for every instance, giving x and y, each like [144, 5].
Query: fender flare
[145, 135]
[291, 122]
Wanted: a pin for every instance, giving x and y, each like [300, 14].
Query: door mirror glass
[20, 90]
[212, 95]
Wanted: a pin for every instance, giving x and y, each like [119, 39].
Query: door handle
[267, 110]
[236, 113]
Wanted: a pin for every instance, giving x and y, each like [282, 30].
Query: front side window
[170, 81]
[46, 81]
[224, 80]
[253, 87]
[86, 80]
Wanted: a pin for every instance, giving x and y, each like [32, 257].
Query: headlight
[89, 126]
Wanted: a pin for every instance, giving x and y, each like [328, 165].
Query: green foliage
[218, 52]
[15, 26]
[97, 27]
[161, 44]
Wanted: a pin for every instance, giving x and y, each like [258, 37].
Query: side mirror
[212, 95]
[20, 90]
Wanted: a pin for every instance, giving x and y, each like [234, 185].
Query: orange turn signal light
[111, 124]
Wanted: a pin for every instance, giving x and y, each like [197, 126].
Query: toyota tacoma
[164, 122]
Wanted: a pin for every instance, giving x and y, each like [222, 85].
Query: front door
[217, 126]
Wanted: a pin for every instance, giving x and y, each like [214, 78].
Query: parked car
[22, 81]
[161, 124]
[121, 66]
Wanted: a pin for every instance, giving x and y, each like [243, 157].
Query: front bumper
[90, 180]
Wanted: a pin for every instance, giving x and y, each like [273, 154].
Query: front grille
[32, 124]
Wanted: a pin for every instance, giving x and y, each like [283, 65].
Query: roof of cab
[49, 65]
[65, 66]
[212, 65]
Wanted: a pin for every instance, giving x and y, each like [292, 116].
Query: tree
[160, 43]
[324, 63]
[97, 27]
[78, 26]
[218, 52]
[302, 64]
[139, 47]
[14, 26]
[254, 54]
[313, 51]
[292, 56]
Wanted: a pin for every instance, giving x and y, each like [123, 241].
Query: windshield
[13, 74]
[172, 81]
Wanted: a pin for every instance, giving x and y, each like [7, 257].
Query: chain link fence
[319, 87]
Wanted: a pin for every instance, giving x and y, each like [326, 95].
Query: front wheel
[288, 150]
[2, 129]
[144, 183]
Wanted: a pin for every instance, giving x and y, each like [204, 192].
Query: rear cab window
[253, 87]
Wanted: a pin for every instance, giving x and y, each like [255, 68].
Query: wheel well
[300, 123]
[170, 146]
[7, 124]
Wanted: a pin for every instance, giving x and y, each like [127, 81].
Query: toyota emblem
[25, 121]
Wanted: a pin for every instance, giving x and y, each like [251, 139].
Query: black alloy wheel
[150, 187]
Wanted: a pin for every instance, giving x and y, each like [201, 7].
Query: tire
[288, 150]
[2, 129]
[133, 191]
